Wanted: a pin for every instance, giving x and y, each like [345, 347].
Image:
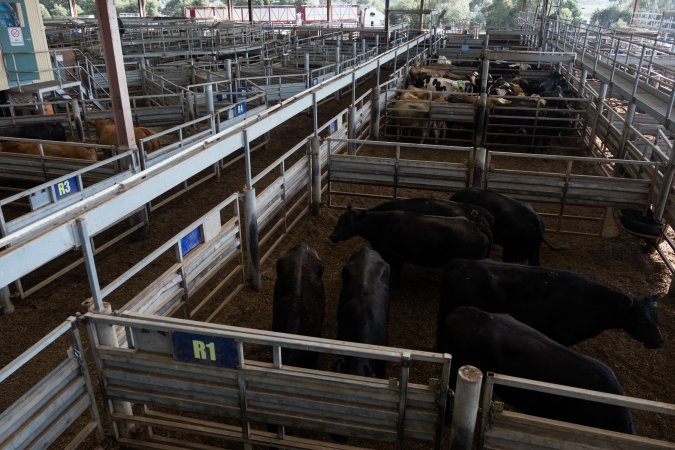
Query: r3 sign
[66, 187]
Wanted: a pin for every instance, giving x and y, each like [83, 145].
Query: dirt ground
[618, 262]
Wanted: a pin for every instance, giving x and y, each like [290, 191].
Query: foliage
[456, 13]
[502, 14]
[611, 15]
[44, 12]
[174, 8]
[570, 10]
[59, 11]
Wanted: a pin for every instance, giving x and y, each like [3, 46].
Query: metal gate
[216, 373]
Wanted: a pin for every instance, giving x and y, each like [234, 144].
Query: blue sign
[66, 188]
[332, 128]
[464, 48]
[191, 240]
[202, 349]
[315, 81]
[239, 109]
[242, 91]
[223, 97]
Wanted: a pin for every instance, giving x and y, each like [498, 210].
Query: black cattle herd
[502, 317]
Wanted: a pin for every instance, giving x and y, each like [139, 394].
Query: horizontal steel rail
[46, 239]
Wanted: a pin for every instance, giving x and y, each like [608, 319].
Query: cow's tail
[543, 237]
[551, 246]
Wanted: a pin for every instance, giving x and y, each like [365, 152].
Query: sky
[589, 6]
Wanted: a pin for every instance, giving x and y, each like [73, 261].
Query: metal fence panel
[255, 391]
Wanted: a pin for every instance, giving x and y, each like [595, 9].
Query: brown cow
[414, 114]
[59, 150]
[107, 134]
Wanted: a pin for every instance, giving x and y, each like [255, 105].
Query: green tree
[609, 16]
[174, 8]
[570, 10]
[44, 11]
[59, 11]
[152, 8]
[454, 12]
[502, 14]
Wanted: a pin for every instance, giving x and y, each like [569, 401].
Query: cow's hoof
[639, 224]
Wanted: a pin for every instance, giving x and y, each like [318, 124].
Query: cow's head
[347, 225]
[641, 320]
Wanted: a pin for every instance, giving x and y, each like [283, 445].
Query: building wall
[37, 28]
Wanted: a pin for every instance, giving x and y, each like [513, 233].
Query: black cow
[566, 306]
[436, 207]
[363, 310]
[518, 228]
[45, 131]
[499, 343]
[401, 237]
[299, 301]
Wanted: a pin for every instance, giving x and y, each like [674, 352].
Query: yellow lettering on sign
[63, 187]
[199, 348]
[212, 350]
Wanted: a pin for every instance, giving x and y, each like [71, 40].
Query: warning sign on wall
[15, 36]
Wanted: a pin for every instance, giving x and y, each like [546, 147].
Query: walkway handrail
[55, 235]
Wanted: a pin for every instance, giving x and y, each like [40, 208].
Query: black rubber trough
[640, 224]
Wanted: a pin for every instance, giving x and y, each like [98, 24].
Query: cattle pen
[203, 271]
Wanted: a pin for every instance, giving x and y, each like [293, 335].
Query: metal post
[377, 44]
[352, 129]
[251, 221]
[77, 118]
[630, 115]
[375, 113]
[465, 409]
[315, 113]
[598, 111]
[582, 82]
[106, 333]
[228, 71]
[666, 187]
[315, 155]
[6, 304]
[364, 46]
[208, 91]
[88, 252]
[308, 71]
[479, 167]
[377, 74]
[251, 234]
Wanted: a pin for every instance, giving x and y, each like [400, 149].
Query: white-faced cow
[501, 344]
[518, 228]
[363, 311]
[401, 237]
[437, 207]
[299, 301]
[566, 306]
